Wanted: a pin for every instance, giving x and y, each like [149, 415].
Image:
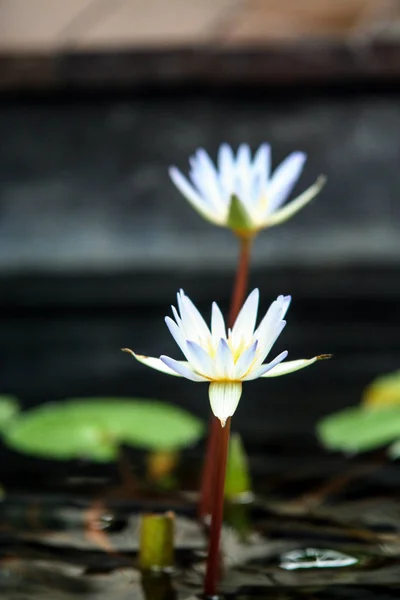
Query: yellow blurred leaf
[383, 391]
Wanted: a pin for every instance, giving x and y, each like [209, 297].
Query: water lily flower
[240, 192]
[225, 359]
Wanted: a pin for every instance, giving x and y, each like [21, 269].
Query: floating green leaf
[95, 427]
[360, 429]
[9, 408]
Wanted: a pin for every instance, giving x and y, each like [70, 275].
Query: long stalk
[238, 295]
[241, 280]
[213, 557]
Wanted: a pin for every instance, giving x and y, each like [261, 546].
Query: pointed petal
[181, 369]
[206, 171]
[261, 371]
[224, 398]
[177, 317]
[293, 207]
[246, 319]
[266, 344]
[271, 327]
[177, 334]
[195, 317]
[189, 328]
[218, 330]
[224, 359]
[284, 179]
[294, 365]
[151, 361]
[226, 166]
[262, 162]
[274, 314]
[211, 195]
[201, 361]
[260, 175]
[245, 361]
[193, 197]
[244, 175]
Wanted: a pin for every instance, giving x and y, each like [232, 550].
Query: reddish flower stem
[238, 295]
[213, 558]
[242, 276]
[208, 473]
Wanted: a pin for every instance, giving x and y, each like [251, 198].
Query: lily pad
[9, 408]
[383, 391]
[95, 427]
[360, 429]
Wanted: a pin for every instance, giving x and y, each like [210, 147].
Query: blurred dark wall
[95, 241]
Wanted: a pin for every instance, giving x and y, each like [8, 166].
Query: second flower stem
[241, 280]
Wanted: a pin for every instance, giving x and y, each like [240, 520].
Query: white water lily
[224, 358]
[240, 192]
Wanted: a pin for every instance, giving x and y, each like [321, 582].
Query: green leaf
[238, 218]
[237, 479]
[360, 429]
[95, 427]
[9, 408]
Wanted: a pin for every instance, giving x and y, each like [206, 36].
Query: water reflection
[315, 558]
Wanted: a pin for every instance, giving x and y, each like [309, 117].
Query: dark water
[319, 527]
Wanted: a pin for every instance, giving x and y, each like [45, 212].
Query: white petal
[211, 197]
[293, 207]
[265, 345]
[177, 317]
[189, 327]
[224, 359]
[266, 368]
[151, 361]
[284, 179]
[193, 197]
[274, 314]
[177, 334]
[262, 162]
[260, 176]
[201, 361]
[224, 398]
[195, 317]
[244, 175]
[217, 322]
[206, 170]
[181, 369]
[245, 361]
[294, 365]
[246, 319]
[226, 165]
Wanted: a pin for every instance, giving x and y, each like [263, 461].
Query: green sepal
[238, 217]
